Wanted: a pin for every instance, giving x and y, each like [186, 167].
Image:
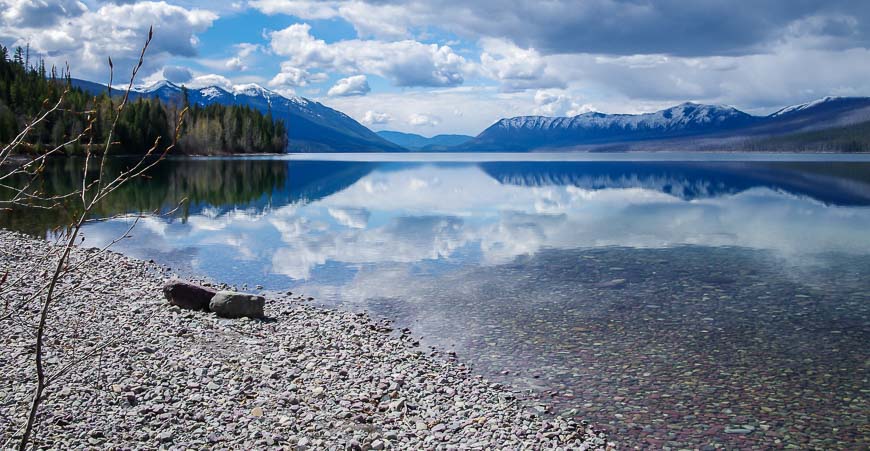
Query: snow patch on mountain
[804, 106]
[156, 86]
[253, 90]
[212, 92]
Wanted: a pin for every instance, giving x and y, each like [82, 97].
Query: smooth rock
[230, 304]
[187, 295]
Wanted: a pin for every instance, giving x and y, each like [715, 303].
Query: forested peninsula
[28, 90]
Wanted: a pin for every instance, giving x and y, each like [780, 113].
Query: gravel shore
[304, 378]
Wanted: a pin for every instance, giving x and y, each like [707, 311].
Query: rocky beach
[143, 374]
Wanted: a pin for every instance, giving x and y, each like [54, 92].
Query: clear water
[724, 300]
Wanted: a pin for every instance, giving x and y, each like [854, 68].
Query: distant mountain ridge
[824, 125]
[412, 141]
[311, 126]
[710, 125]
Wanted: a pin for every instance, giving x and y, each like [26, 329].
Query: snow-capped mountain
[679, 118]
[687, 120]
[528, 132]
[808, 105]
[311, 126]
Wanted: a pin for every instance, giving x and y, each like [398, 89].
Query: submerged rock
[230, 304]
[615, 283]
[187, 295]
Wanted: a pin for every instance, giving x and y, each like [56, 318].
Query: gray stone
[187, 295]
[164, 437]
[230, 304]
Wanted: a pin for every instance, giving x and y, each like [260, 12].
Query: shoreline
[305, 378]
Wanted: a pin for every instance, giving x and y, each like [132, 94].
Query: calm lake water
[672, 303]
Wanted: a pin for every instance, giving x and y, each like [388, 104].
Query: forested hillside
[26, 90]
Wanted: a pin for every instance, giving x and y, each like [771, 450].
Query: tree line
[27, 89]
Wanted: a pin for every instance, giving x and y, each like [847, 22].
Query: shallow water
[673, 303]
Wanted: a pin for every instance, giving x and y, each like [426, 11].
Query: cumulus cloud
[240, 62]
[294, 77]
[87, 37]
[39, 13]
[617, 27]
[552, 103]
[376, 118]
[462, 109]
[423, 120]
[620, 55]
[380, 20]
[515, 67]
[356, 85]
[405, 63]
[203, 81]
[760, 82]
[235, 63]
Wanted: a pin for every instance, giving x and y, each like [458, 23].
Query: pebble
[210, 386]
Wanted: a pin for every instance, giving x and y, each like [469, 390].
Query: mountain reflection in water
[672, 303]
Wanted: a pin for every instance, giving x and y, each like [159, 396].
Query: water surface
[672, 302]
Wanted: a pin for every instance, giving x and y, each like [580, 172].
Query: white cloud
[375, 118]
[203, 81]
[235, 63]
[383, 21]
[619, 56]
[87, 37]
[423, 120]
[554, 103]
[606, 27]
[356, 85]
[758, 83]
[516, 68]
[292, 76]
[478, 107]
[39, 13]
[405, 63]
[310, 9]
[240, 62]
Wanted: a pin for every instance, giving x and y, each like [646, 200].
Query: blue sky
[450, 66]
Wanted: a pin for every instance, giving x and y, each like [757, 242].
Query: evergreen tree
[213, 129]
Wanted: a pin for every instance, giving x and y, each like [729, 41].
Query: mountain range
[311, 126]
[831, 123]
[827, 124]
[412, 141]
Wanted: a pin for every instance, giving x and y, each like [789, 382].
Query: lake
[679, 300]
